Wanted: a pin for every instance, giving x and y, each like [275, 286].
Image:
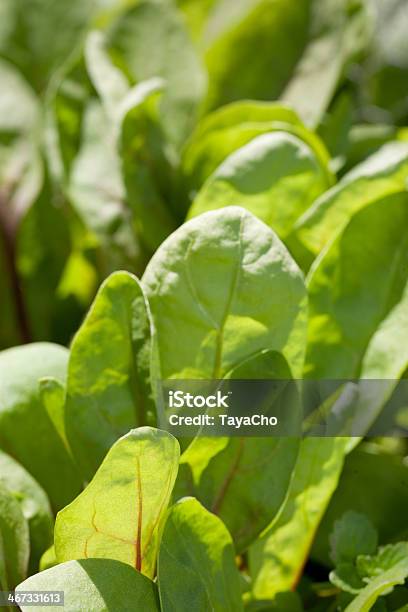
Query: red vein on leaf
[159, 512]
[104, 533]
[138, 539]
[228, 479]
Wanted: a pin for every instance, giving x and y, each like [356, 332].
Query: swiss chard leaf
[96, 184]
[108, 372]
[381, 175]
[276, 177]
[220, 472]
[202, 285]
[224, 472]
[227, 129]
[100, 585]
[120, 514]
[353, 286]
[146, 167]
[21, 410]
[14, 541]
[278, 557]
[34, 504]
[196, 565]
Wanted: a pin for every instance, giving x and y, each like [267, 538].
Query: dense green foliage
[201, 189]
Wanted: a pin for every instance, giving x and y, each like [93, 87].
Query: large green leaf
[278, 30]
[203, 286]
[108, 373]
[220, 472]
[196, 566]
[356, 282]
[100, 585]
[151, 40]
[276, 177]
[227, 129]
[382, 174]
[120, 514]
[278, 557]
[29, 38]
[252, 474]
[21, 411]
[34, 504]
[14, 541]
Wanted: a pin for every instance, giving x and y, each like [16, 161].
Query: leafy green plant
[212, 191]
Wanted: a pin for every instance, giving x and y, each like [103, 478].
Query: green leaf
[276, 176]
[383, 571]
[226, 473]
[371, 566]
[110, 82]
[353, 535]
[202, 286]
[21, 411]
[227, 129]
[43, 247]
[120, 514]
[150, 40]
[14, 541]
[386, 69]
[196, 565]
[52, 393]
[356, 282]
[389, 339]
[108, 389]
[64, 115]
[30, 40]
[146, 167]
[346, 578]
[219, 471]
[283, 602]
[381, 175]
[137, 134]
[278, 557]
[34, 504]
[277, 30]
[100, 585]
[337, 34]
[96, 184]
[19, 106]
[48, 559]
